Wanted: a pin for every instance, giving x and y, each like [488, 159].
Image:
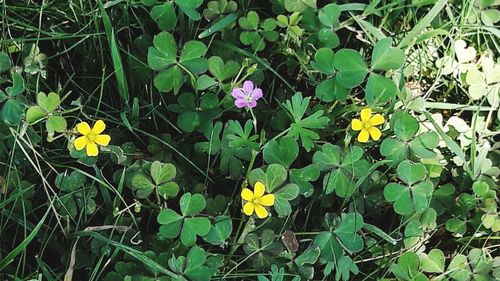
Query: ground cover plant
[249, 140]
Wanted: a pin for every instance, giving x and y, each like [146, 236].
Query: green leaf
[394, 150]
[162, 172]
[164, 52]
[456, 226]
[303, 177]
[379, 89]
[385, 57]
[329, 156]
[171, 223]
[12, 112]
[189, 7]
[433, 262]
[220, 231]
[56, 124]
[165, 16]
[17, 85]
[351, 66]
[282, 198]
[169, 79]
[204, 82]
[297, 107]
[222, 71]
[4, 62]
[323, 61]
[347, 232]
[329, 37]
[331, 250]
[70, 182]
[309, 256]
[459, 268]
[142, 184]
[193, 227]
[192, 50]
[283, 151]
[405, 126]
[330, 89]
[49, 102]
[250, 22]
[329, 15]
[411, 172]
[192, 204]
[275, 176]
[169, 189]
[34, 114]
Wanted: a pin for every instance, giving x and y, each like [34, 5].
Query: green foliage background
[162, 201]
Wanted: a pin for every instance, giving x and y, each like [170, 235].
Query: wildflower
[367, 125]
[256, 200]
[91, 137]
[247, 96]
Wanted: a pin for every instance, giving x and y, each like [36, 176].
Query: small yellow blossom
[91, 137]
[256, 200]
[367, 125]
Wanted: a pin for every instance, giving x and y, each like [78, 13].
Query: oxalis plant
[249, 140]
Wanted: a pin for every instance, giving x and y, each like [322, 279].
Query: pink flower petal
[252, 104]
[257, 94]
[240, 103]
[238, 93]
[248, 86]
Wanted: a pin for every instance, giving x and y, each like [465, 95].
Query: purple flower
[247, 96]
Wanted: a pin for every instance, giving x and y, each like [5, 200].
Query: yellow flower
[256, 200]
[367, 125]
[91, 137]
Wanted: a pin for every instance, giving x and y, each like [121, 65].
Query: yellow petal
[258, 189]
[260, 211]
[248, 208]
[92, 149]
[99, 127]
[102, 140]
[83, 128]
[376, 120]
[375, 133]
[267, 200]
[356, 124]
[80, 142]
[366, 113]
[247, 194]
[363, 136]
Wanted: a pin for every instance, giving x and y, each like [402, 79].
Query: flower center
[256, 201]
[367, 125]
[248, 97]
[91, 137]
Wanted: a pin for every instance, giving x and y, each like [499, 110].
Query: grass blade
[115, 56]
[10, 257]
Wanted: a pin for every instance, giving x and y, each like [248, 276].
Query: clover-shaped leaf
[254, 33]
[163, 57]
[164, 15]
[342, 168]
[379, 89]
[329, 89]
[347, 230]
[220, 231]
[186, 224]
[406, 144]
[192, 267]
[303, 178]
[160, 177]
[264, 249]
[385, 57]
[216, 8]
[415, 195]
[70, 182]
[222, 71]
[433, 262]
[283, 151]
[351, 66]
